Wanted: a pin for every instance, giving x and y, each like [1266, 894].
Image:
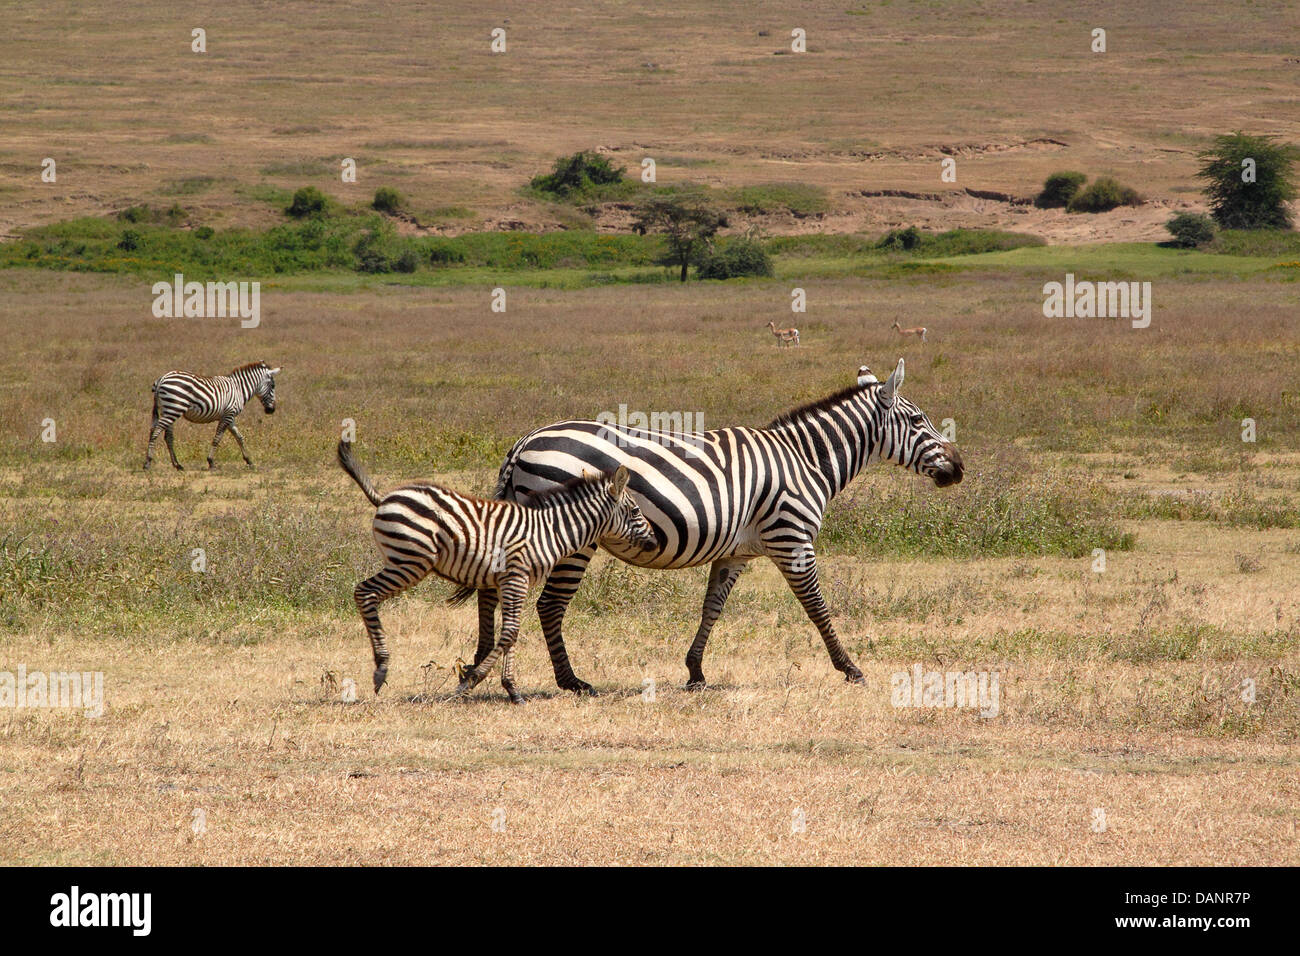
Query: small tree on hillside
[1249, 181]
[686, 222]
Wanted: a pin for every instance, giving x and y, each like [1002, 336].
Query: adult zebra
[723, 498]
[216, 398]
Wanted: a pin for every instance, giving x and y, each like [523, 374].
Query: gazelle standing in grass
[784, 336]
[919, 331]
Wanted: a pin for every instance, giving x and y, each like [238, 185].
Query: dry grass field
[1120, 691]
[1009, 88]
[1148, 711]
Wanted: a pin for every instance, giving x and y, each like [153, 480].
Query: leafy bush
[130, 240]
[204, 232]
[1103, 195]
[1237, 203]
[577, 174]
[308, 201]
[739, 257]
[1191, 229]
[1059, 189]
[906, 239]
[388, 200]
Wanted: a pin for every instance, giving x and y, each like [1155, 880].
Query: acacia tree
[686, 222]
[1249, 181]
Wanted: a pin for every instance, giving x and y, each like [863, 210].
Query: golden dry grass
[1119, 691]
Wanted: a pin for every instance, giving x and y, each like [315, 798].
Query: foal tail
[354, 470]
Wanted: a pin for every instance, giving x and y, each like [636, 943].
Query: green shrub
[308, 201]
[1059, 189]
[130, 240]
[906, 239]
[1103, 195]
[1191, 229]
[1240, 204]
[577, 174]
[388, 200]
[204, 232]
[739, 257]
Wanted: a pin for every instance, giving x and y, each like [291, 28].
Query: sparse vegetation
[686, 221]
[1059, 189]
[1102, 195]
[581, 174]
[1249, 181]
[1191, 229]
[388, 200]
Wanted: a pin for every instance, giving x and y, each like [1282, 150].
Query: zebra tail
[354, 470]
[460, 596]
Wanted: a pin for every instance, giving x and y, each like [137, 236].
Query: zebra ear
[892, 385]
[619, 481]
[275, 371]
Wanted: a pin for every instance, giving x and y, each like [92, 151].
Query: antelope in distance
[919, 331]
[784, 336]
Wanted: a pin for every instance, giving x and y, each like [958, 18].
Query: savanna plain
[1118, 554]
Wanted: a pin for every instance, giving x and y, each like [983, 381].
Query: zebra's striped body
[216, 398]
[491, 546]
[725, 497]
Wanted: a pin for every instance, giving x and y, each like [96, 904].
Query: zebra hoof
[580, 687]
[700, 684]
[515, 696]
[381, 675]
[854, 676]
[463, 688]
[179, 467]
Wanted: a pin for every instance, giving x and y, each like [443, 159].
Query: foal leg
[372, 592]
[513, 589]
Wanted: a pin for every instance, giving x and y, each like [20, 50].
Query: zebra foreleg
[800, 572]
[512, 591]
[560, 587]
[369, 594]
[722, 576]
[240, 439]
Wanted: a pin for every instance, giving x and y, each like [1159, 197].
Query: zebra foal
[215, 398]
[497, 546]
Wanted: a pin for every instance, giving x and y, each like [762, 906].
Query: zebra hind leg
[561, 585]
[369, 594]
[722, 577]
[216, 440]
[154, 432]
[171, 447]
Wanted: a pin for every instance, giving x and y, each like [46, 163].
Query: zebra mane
[250, 365]
[821, 404]
[560, 493]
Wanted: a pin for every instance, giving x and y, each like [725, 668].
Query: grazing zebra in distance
[499, 547]
[724, 498]
[216, 398]
[864, 376]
